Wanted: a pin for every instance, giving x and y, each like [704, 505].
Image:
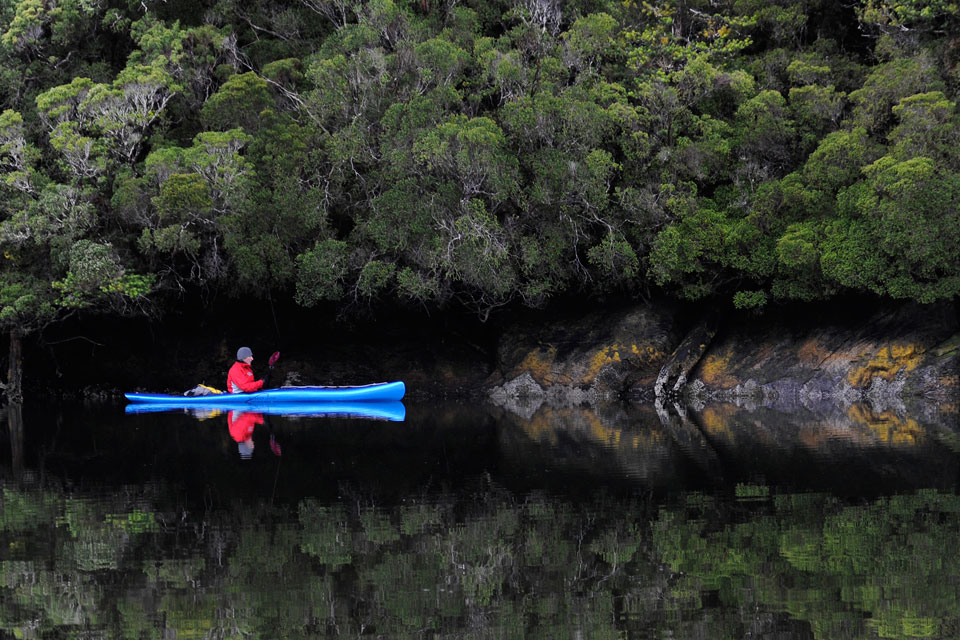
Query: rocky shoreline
[881, 357]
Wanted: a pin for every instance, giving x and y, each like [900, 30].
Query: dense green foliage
[793, 565]
[475, 153]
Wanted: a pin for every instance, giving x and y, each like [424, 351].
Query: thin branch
[264, 29]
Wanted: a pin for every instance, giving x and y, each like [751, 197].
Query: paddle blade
[274, 358]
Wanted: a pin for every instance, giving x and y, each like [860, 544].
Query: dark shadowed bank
[564, 356]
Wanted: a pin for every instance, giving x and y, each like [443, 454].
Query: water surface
[469, 521]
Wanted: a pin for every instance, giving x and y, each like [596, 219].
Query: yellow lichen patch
[887, 363]
[639, 356]
[715, 371]
[717, 420]
[538, 363]
[602, 358]
[887, 426]
[811, 353]
[647, 354]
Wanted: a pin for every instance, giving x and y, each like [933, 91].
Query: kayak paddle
[272, 361]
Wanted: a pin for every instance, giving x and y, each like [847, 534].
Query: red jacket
[242, 423]
[240, 379]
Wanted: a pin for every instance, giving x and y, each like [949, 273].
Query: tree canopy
[477, 154]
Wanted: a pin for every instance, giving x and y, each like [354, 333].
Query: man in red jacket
[240, 378]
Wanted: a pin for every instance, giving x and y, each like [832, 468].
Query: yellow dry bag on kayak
[202, 390]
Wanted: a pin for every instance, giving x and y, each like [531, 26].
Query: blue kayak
[381, 392]
[389, 410]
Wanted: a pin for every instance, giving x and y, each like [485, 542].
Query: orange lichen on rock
[887, 363]
[715, 371]
[603, 357]
[640, 356]
[811, 353]
[887, 426]
[583, 368]
[538, 363]
[647, 354]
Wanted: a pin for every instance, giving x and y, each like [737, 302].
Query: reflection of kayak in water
[394, 411]
[380, 392]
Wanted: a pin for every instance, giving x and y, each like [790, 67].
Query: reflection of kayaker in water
[242, 425]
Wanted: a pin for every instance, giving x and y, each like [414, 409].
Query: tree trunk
[15, 372]
[15, 425]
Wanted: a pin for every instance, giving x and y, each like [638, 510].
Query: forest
[473, 155]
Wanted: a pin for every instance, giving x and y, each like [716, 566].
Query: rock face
[583, 358]
[881, 357]
[837, 354]
[672, 379]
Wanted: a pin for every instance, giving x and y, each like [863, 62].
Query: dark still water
[469, 521]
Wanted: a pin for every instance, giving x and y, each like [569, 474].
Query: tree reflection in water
[15, 428]
[730, 560]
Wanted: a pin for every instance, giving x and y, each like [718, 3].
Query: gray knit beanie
[244, 352]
